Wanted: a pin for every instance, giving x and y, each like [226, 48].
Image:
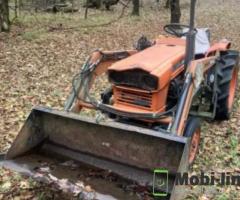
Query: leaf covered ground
[42, 53]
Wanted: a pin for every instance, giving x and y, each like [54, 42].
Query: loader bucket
[128, 151]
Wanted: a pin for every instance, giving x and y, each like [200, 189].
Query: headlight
[150, 82]
[134, 78]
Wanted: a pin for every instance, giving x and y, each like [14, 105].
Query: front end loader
[157, 95]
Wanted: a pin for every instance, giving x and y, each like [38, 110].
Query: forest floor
[42, 53]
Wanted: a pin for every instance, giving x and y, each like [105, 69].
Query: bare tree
[175, 11]
[4, 16]
[167, 4]
[136, 5]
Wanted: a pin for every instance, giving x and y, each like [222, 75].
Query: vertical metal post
[190, 46]
[181, 103]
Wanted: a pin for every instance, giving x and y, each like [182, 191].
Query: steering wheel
[178, 30]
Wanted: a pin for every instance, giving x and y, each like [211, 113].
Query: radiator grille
[142, 100]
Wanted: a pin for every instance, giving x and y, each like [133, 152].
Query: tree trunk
[136, 5]
[175, 11]
[4, 16]
[167, 4]
[16, 8]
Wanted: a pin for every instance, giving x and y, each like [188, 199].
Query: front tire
[193, 131]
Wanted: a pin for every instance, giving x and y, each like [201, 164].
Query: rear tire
[193, 131]
[227, 77]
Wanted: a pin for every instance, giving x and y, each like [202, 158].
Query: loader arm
[194, 78]
[99, 62]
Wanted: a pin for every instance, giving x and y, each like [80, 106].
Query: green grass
[33, 35]
[234, 150]
[223, 197]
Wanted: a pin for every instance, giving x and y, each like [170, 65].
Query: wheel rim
[194, 145]
[232, 89]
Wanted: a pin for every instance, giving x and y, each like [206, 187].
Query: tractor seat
[202, 43]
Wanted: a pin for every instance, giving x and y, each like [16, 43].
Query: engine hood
[154, 60]
[157, 61]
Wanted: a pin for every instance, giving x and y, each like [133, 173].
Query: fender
[222, 45]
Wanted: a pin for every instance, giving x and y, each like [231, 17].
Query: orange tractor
[157, 95]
